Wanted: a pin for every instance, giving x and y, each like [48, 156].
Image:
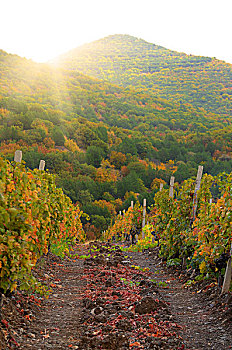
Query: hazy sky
[43, 29]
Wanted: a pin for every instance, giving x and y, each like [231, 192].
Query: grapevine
[34, 215]
[198, 243]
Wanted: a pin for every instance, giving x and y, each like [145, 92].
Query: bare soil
[205, 317]
[115, 300]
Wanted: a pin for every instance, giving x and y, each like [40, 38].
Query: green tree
[94, 156]
[85, 197]
[129, 183]
[99, 222]
[58, 136]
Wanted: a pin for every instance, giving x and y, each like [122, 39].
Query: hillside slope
[77, 95]
[107, 145]
[128, 61]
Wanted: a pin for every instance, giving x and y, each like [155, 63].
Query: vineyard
[111, 294]
[120, 243]
[35, 217]
[200, 240]
[192, 225]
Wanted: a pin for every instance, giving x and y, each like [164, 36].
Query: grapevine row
[34, 215]
[197, 243]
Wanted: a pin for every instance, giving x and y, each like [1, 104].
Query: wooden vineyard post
[228, 275]
[172, 180]
[120, 214]
[136, 237]
[161, 186]
[197, 187]
[18, 156]
[42, 164]
[132, 206]
[144, 215]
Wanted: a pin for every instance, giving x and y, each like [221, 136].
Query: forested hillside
[128, 61]
[107, 145]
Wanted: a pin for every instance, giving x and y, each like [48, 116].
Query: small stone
[97, 310]
[31, 335]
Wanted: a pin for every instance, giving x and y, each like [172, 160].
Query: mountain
[127, 61]
[106, 144]
[76, 95]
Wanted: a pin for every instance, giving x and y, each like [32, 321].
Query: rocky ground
[103, 298]
[205, 317]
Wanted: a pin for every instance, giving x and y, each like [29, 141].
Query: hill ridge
[133, 62]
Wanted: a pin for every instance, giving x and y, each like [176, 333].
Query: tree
[34, 136]
[182, 173]
[99, 222]
[85, 197]
[100, 144]
[10, 133]
[27, 119]
[128, 146]
[130, 183]
[32, 158]
[84, 136]
[101, 132]
[94, 156]
[118, 159]
[138, 167]
[58, 136]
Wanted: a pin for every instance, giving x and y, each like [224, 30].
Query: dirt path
[59, 321]
[202, 328]
[46, 323]
[104, 303]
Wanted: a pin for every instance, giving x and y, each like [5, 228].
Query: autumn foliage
[34, 215]
[202, 241]
[197, 242]
[132, 218]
